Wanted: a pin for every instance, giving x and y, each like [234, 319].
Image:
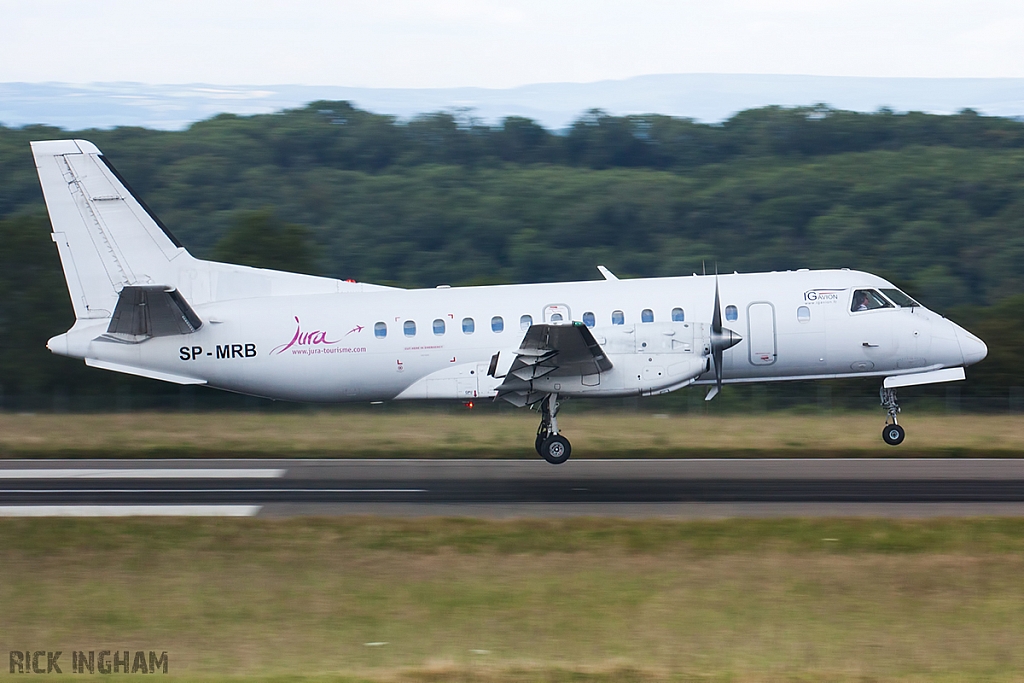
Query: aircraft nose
[972, 348]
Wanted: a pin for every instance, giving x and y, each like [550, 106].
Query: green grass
[488, 434]
[567, 600]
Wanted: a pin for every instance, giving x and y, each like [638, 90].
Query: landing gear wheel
[549, 443]
[555, 449]
[893, 434]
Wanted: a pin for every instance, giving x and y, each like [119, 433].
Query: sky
[500, 43]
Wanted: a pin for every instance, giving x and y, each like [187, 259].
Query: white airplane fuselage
[324, 348]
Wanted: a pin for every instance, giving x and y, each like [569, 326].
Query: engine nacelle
[647, 359]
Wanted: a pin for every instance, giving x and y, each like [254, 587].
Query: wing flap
[552, 351]
[571, 349]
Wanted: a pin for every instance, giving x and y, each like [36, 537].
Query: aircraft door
[762, 344]
[485, 384]
[557, 314]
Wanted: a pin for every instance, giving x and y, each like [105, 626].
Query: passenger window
[868, 300]
[380, 330]
[468, 326]
[803, 314]
[618, 318]
[556, 317]
[525, 322]
[438, 327]
[588, 319]
[677, 315]
[497, 324]
[647, 316]
[409, 327]
[730, 313]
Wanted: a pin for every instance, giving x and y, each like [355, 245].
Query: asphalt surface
[501, 488]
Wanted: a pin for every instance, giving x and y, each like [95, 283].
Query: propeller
[722, 338]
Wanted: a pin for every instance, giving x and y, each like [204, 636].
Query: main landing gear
[551, 445]
[893, 434]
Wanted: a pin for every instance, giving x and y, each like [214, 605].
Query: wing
[551, 351]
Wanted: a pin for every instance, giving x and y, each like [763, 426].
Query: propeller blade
[716, 315]
[717, 354]
[721, 339]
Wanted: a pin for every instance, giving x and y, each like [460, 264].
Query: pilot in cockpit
[868, 300]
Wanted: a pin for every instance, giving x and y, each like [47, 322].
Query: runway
[514, 488]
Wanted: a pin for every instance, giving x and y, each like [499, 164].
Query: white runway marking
[161, 473]
[129, 510]
[190, 490]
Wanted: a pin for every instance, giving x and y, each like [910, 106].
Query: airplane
[145, 306]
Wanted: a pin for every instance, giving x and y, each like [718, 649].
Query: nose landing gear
[893, 434]
[551, 445]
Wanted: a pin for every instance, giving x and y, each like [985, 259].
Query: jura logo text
[314, 338]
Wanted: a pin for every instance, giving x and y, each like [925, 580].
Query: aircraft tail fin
[107, 238]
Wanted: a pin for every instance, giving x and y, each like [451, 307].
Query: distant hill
[704, 97]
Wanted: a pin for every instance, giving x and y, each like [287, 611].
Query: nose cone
[972, 348]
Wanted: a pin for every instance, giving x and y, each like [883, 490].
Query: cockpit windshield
[899, 298]
[868, 300]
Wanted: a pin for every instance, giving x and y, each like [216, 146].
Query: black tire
[893, 435]
[555, 449]
[539, 442]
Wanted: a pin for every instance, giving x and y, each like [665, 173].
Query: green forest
[933, 203]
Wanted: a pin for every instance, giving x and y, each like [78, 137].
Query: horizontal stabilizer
[147, 311]
[143, 372]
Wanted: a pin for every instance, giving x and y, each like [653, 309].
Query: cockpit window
[899, 298]
[868, 300]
